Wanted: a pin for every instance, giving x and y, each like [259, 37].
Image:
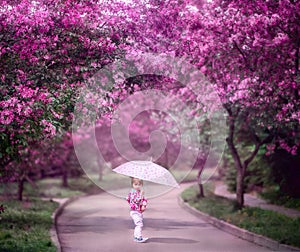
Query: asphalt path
[102, 223]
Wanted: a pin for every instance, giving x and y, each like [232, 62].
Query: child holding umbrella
[137, 203]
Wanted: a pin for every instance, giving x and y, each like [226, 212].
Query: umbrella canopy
[147, 170]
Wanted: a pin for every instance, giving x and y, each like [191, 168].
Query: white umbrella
[147, 170]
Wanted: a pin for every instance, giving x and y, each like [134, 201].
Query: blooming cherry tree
[250, 53]
[47, 50]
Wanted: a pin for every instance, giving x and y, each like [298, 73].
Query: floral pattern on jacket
[136, 200]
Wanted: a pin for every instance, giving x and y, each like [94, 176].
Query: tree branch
[229, 140]
[257, 146]
[243, 55]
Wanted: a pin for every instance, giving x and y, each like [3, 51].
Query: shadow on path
[106, 224]
[159, 223]
[171, 240]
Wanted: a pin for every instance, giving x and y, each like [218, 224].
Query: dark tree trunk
[201, 190]
[237, 161]
[65, 178]
[241, 167]
[20, 188]
[240, 188]
[100, 174]
[66, 171]
[100, 165]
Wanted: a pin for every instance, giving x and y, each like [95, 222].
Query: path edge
[236, 231]
[58, 211]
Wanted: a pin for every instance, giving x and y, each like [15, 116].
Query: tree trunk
[201, 190]
[237, 161]
[240, 188]
[167, 159]
[20, 188]
[241, 167]
[65, 178]
[65, 169]
[100, 165]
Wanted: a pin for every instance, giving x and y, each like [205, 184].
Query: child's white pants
[138, 222]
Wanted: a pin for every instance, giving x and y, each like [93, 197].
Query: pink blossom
[6, 117]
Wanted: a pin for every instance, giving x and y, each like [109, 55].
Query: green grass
[24, 226]
[191, 175]
[275, 196]
[264, 222]
[112, 181]
[185, 176]
[52, 188]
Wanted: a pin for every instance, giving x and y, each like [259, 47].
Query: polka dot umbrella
[147, 170]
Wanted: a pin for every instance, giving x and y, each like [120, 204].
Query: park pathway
[102, 223]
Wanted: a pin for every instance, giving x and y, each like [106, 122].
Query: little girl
[138, 204]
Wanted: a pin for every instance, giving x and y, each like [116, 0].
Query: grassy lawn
[52, 188]
[191, 175]
[275, 196]
[264, 222]
[24, 226]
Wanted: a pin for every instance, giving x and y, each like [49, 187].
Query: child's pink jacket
[135, 200]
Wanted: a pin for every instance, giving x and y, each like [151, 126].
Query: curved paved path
[102, 223]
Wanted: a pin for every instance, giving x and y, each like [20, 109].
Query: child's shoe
[140, 239]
